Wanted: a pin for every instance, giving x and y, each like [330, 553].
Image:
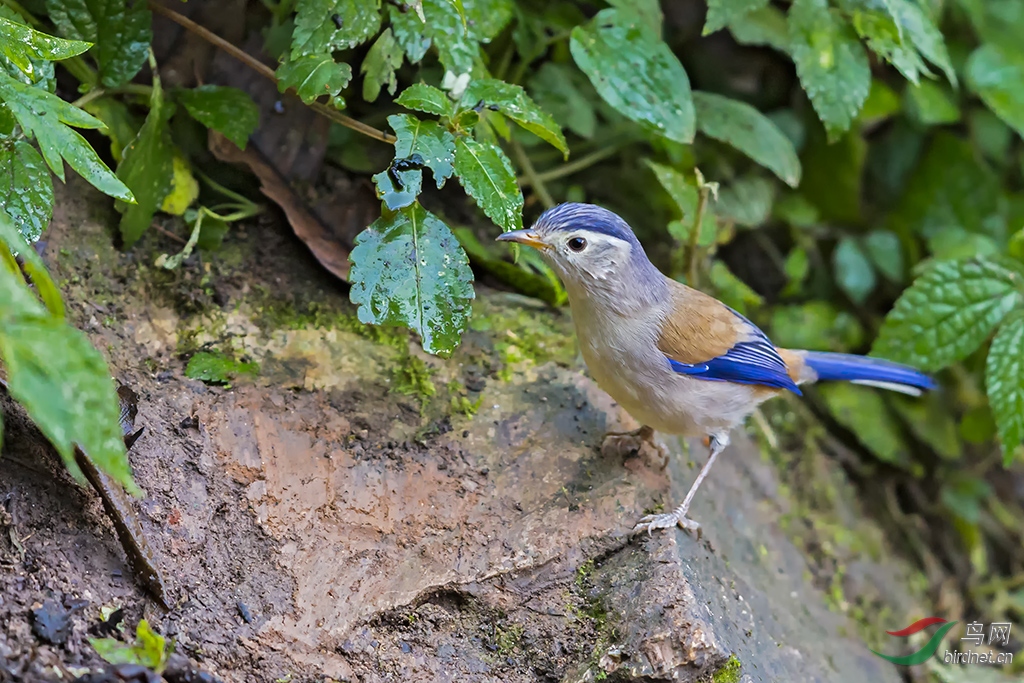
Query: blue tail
[870, 371]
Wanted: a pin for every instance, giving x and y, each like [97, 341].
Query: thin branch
[265, 71]
[531, 173]
[580, 164]
[702, 205]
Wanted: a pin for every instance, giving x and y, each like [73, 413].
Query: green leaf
[148, 169]
[149, 649]
[931, 104]
[458, 36]
[882, 103]
[426, 98]
[882, 34]
[748, 130]
[323, 26]
[922, 32]
[995, 73]
[409, 269]
[830, 63]
[721, 13]
[120, 124]
[766, 26]
[120, 32]
[636, 73]
[928, 417]
[647, 11]
[61, 381]
[950, 190]
[1004, 381]
[487, 176]
[398, 189]
[512, 101]
[32, 264]
[815, 325]
[833, 174]
[949, 311]
[731, 290]
[313, 76]
[886, 252]
[687, 198]
[229, 111]
[556, 88]
[747, 201]
[431, 141]
[215, 367]
[379, 66]
[409, 31]
[864, 412]
[26, 191]
[854, 273]
[44, 115]
[23, 45]
[532, 278]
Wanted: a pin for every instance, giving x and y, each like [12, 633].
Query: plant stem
[694, 250]
[129, 88]
[531, 174]
[580, 164]
[267, 72]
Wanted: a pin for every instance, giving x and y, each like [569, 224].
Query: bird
[677, 360]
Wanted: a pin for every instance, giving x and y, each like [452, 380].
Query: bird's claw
[667, 521]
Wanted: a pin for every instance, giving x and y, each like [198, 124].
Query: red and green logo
[926, 652]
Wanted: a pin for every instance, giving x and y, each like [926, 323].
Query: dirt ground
[360, 511]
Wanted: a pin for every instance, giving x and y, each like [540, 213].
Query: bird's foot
[639, 442]
[667, 521]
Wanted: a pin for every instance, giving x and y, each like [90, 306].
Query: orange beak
[527, 237]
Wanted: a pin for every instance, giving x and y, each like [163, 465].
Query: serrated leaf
[43, 115]
[121, 33]
[995, 73]
[1004, 382]
[949, 311]
[409, 31]
[426, 98]
[398, 189]
[457, 41]
[24, 46]
[512, 101]
[830, 63]
[854, 273]
[323, 26]
[229, 111]
[721, 13]
[378, 67]
[886, 252]
[687, 199]
[747, 201]
[636, 73]
[61, 381]
[487, 176]
[26, 190]
[766, 26]
[885, 38]
[748, 130]
[918, 27]
[556, 89]
[409, 269]
[148, 169]
[313, 76]
[428, 139]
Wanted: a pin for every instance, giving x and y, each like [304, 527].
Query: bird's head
[592, 249]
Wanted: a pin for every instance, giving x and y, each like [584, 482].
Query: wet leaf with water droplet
[487, 176]
[398, 188]
[428, 139]
[121, 33]
[636, 73]
[48, 118]
[323, 26]
[26, 190]
[830, 62]
[313, 76]
[379, 66]
[512, 101]
[409, 269]
[25, 47]
[426, 98]
[721, 13]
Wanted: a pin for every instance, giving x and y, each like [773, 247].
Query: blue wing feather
[754, 361]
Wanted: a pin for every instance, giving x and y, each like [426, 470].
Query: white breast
[623, 358]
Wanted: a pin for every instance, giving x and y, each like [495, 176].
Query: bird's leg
[678, 516]
[640, 441]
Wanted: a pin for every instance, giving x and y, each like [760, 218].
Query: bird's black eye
[577, 244]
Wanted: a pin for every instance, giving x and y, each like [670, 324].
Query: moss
[412, 378]
[218, 368]
[507, 639]
[459, 400]
[729, 672]
[521, 335]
